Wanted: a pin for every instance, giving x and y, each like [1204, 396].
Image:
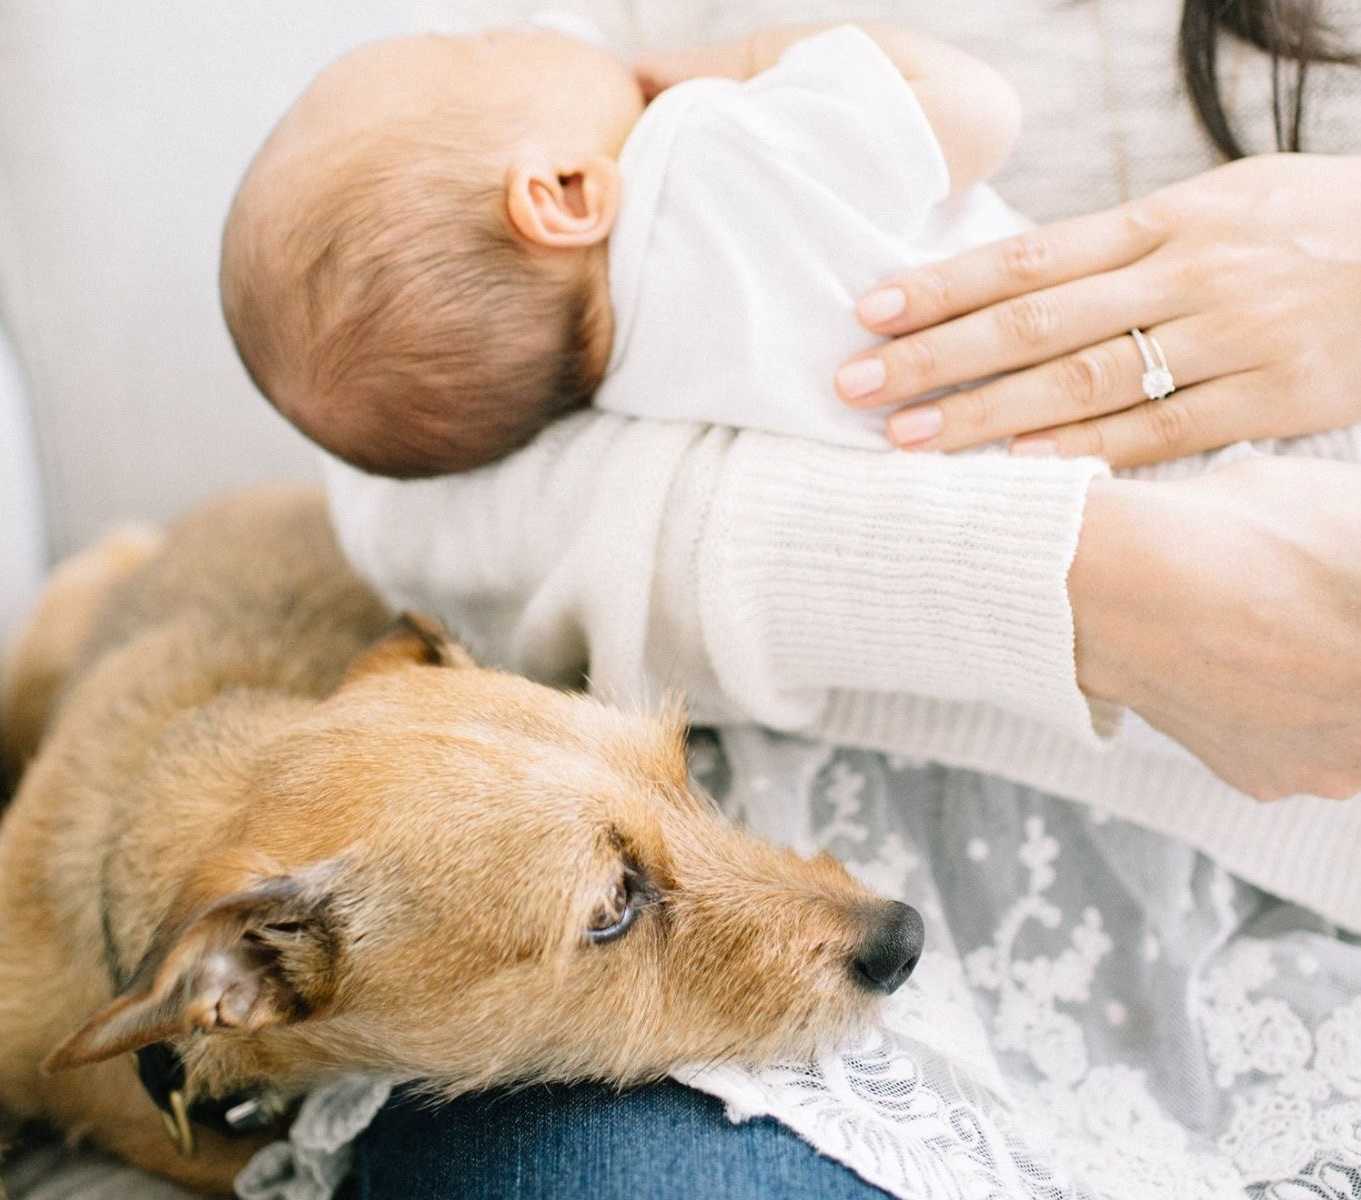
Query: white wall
[21, 524]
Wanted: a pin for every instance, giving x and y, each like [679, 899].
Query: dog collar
[238, 1114]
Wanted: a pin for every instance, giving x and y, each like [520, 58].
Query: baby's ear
[563, 206]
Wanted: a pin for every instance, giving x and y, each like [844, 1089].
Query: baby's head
[413, 269]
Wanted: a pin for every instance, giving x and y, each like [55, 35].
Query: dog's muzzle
[890, 951]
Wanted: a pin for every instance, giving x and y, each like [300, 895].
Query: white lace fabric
[1102, 1013]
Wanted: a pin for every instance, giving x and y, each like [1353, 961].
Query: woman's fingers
[1039, 258]
[1205, 417]
[1091, 382]
[1017, 333]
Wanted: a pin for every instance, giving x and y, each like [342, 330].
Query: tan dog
[263, 840]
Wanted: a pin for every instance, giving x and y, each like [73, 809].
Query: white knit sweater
[914, 604]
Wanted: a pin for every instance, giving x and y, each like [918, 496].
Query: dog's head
[453, 873]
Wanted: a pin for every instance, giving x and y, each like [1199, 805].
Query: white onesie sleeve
[829, 98]
[752, 217]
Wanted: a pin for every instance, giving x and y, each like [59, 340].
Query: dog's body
[256, 828]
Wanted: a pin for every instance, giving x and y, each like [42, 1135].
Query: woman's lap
[661, 1142]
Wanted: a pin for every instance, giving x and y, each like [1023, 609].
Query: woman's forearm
[760, 576]
[823, 568]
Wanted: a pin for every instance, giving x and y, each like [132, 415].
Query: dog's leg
[49, 644]
[106, 1105]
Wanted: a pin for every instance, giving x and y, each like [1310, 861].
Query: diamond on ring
[1157, 379]
[1158, 384]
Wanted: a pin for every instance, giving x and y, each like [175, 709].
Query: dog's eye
[617, 914]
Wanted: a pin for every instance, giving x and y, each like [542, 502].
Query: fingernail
[881, 305]
[1035, 447]
[860, 378]
[915, 424]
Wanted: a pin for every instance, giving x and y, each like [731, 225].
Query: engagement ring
[1158, 382]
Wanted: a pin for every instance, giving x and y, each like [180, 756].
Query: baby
[448, 242]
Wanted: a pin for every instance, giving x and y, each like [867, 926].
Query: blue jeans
[588, 1142]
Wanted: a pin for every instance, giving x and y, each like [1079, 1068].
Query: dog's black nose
[888, 955]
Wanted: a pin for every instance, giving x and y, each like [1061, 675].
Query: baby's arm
[974, 111]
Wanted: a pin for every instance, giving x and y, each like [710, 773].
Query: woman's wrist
[1118, 563]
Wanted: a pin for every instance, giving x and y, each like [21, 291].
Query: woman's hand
[1226, 610]
[1248, 276]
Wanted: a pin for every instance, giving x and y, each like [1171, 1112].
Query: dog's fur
[256, 825]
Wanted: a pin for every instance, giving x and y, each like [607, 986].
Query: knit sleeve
[757, 575]
[941, 577]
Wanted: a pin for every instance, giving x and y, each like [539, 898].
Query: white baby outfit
[753, 215]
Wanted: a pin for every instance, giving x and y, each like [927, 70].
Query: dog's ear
[413, 638]
[262, 956]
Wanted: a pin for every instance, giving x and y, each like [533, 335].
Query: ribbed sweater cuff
[932, 575]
